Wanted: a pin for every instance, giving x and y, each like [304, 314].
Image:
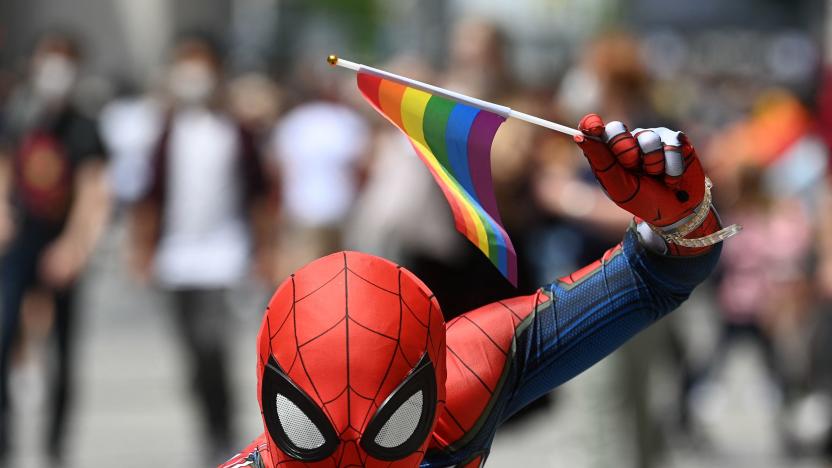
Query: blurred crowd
[224, 178]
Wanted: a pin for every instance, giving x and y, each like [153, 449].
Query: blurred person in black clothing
[202, 224]
[54, 204]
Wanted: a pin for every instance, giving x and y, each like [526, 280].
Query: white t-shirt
[317, 146]
[130, 128]
[205, 240]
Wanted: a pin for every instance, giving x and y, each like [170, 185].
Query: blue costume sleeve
[590, 317]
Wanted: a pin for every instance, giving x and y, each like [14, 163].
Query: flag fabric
[454, 140]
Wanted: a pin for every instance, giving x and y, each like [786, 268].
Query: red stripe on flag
[369, 84]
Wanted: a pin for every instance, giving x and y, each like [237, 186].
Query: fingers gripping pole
[334, 60]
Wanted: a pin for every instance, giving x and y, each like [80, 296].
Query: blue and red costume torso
[503, 356]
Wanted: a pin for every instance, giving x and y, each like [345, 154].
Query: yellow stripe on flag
[414, 103]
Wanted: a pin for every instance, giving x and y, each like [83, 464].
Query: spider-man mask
[352, 365]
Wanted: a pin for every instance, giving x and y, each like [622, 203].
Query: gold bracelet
[677, 235]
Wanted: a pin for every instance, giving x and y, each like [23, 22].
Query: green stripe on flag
[435, 123]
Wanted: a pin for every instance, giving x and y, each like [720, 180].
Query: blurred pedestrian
[820, 362]
[761, 291]
[203, 223]
[318, 149]
[130, 126]
[54, 173]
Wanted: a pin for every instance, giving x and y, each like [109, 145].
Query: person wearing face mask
[53, 205]
[203, 223]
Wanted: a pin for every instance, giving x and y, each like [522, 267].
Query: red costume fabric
[357, 367]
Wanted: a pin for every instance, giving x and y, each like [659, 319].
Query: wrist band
[676, 235]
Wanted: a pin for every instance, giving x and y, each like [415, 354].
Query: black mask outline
[275, 382]
[422, 377]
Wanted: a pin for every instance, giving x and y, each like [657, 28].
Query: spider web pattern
[552, 336]
[480, 347]
[347, 329]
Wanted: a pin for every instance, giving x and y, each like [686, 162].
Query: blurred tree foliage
[360, 18]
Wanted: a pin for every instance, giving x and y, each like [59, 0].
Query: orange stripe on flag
[390, 96]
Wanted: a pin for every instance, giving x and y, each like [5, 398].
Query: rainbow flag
[454, 140]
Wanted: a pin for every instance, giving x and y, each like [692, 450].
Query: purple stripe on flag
[479, 159]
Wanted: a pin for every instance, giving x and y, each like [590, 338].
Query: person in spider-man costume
[358, 368]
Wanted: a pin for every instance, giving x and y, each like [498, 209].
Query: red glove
[652, 173]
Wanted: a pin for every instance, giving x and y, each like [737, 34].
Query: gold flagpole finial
[332, 59]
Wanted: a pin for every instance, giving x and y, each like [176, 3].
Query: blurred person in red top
[203, 223]
[54, 204]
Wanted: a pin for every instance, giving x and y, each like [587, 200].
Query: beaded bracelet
[676, 235]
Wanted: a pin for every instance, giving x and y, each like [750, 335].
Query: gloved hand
[652, 173]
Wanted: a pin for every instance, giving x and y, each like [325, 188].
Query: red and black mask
[352, 365]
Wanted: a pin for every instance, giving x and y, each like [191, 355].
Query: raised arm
[672, 246]
[503, 356]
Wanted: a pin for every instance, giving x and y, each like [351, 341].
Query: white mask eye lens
[296, 423]
[300, 430]
[402, 423]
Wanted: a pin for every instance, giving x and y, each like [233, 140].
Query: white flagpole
[334, 60]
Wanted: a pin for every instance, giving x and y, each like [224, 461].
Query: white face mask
[53, 78]
[192, 82]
